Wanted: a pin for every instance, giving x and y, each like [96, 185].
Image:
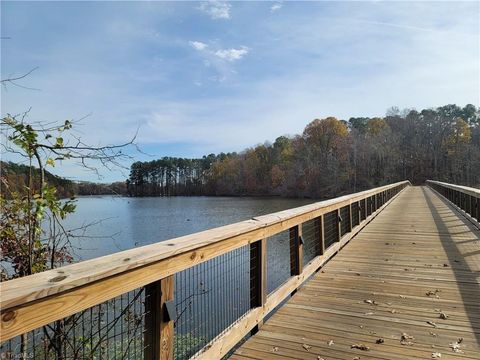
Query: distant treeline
[90, 188]
[15, 178]
[331, 157]
[16, 175]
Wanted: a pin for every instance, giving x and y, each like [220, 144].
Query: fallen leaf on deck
[403, 296]
[393, 311]
[460, 340]
[436, 355]
[330, 343]
[445, 265]
[405, 339]
[360, 347]
[320, 358]
[356, 358]
[432, 293]
[380, 341]
[433, 334]
[431, 323]
[275, 349]
[443, 316]
[306, 347]
[455, 347]
[389, 303]
[369, 313]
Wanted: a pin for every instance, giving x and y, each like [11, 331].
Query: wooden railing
[34, 301]
[465, 198]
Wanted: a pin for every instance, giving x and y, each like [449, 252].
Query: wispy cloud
[275, 7]
[232, 54]
[216, 9]
[218, 59]
[198, 45]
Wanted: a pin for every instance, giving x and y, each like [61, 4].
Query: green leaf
[51, 162]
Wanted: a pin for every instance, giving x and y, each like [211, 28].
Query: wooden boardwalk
[414, 270]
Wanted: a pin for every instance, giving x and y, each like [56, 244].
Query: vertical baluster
[350, 217]
[339, 225]
[296, 255]
[258, 276]
[159, 331]
[478, 208]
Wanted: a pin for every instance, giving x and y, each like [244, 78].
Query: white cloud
[216, 9]
[232, 54]
[276, 7]
[198, 45]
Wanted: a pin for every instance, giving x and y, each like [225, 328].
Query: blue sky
[203, 77]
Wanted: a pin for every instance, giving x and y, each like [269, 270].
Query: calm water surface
[131, 222]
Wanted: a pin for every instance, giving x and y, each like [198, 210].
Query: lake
[126, 223]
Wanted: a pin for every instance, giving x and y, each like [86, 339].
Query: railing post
[258, 276]
[351, 220]
[478, 209]
[321, 233]
[339, 225]
[159, 331]
[364, 209]
[471, 206]
[296, 250]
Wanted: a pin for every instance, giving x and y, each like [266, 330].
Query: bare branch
[12, 80]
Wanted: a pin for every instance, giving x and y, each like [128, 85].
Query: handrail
[464, 197]
[36, 300]
[465, 189]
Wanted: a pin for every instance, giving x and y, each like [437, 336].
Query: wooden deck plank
[417, 259]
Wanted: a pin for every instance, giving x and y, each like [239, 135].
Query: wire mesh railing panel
[330, 222]
[355, 214]
[370, 206]
[110, 330]
[345, 223]
[363, 209]
[210, 297]
[278, 260]
[311, 239]
[379, 199]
